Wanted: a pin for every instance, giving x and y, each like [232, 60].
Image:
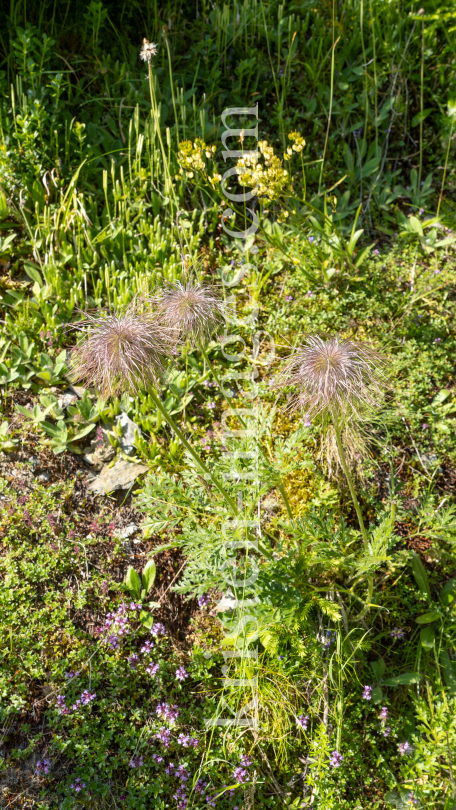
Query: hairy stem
[348, 476]
[193, 452]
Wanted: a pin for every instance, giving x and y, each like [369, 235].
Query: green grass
[103, 195]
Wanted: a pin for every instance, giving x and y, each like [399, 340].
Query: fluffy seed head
[122, 351]
[195, 311]
[337, 377]
[148, 50]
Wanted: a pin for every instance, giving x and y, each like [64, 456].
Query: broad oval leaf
[427, 637]
[133, 582]
[377, 695]
[148, 576]
[419, 572]
[405, 679]
[427, 618]
[448, 593]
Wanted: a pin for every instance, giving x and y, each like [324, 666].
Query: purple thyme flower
[246, 761]
[367, 692]
[43, 766]
[240, 775]
[170, 769]
[61, 705]
[203, 600]
[87, 697]
[184, 739]
[437, 340]
[164, 736]
[383, 716]
[397, 633]
[152, 669]
[157, 758]
[288, 298]
[147, 647]
[136, 762]
[158, 629]
[133, 660]
[386, 731]
[181, 674]
[200, 786]
[182, 773]
[336, 759]
[303, 721]
[77, 785]
[71, 674]
[404, 748]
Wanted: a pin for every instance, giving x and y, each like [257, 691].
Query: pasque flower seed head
[191, 309]
[333, 376]
[122, 351]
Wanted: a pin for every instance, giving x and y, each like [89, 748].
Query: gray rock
[121, 476]
[128, 428]
[127, 531]
[98, 453]
[67, 398]
[78, 390]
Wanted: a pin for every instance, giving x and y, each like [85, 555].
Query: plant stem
[446, 163]
[262, 450]
[345, 467]
[348, 476]
[168, 418]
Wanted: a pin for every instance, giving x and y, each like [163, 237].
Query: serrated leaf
[148, 576]
[133, 582]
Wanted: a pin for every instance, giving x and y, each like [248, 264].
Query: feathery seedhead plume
[192, 309]
[340, 378]
[122, 351]
[148, 50]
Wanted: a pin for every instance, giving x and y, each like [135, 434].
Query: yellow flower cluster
[298, 145]
[270, 177]
[192, 159]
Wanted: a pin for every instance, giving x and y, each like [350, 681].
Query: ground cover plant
[129, 422]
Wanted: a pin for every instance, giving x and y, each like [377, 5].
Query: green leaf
[406, 679]
[378, 668]
[419, 572]
[133, 582]
[83, 432]
[420, 117]
[148, 576]
[377, 695]
[427, 618]
[33, 273]
[448, 593]
[427, 637]
[449, 671]
[146, 619]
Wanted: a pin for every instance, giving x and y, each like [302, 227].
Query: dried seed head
[195, 311]
[148, 50]
[341, 378]
[122, 351]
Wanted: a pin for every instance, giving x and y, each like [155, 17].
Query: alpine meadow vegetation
[228, 404]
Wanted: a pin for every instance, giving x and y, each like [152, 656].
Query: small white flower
[148, 50]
